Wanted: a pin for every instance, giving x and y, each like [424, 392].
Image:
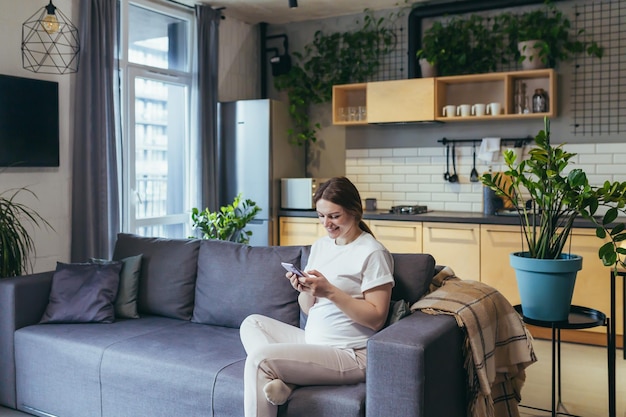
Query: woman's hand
[305, 299]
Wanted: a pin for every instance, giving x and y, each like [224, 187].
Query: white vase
[428, 70]
[530, 52]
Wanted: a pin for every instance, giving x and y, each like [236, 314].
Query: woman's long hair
[341, 191]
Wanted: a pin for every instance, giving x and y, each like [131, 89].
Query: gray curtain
[207, 21]
[95, 197]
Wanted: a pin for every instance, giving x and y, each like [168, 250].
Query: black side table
[614, 274]
[579, 318]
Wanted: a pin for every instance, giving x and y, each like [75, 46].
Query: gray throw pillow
[126, 300]
[83, 293]
[413, 273]
[236, 280]
[168, 273]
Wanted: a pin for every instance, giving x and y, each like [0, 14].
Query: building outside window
[156, 79]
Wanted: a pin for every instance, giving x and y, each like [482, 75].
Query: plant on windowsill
[333, 59]
[558, 195]
[541, 38]
[16, 243]
[228, 223]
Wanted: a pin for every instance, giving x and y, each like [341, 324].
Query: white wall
[51, 185]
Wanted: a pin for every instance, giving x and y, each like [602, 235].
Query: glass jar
[540, 101]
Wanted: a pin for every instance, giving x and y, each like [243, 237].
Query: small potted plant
[541, 38]
[461, 46]
[228, 223]
[557, 196]
[16, 244]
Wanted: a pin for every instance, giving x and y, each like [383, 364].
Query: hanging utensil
[446, 175]
[474, 173]
[453, 177]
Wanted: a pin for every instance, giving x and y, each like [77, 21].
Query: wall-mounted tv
[29, 122]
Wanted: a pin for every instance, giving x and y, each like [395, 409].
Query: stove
[408, 209]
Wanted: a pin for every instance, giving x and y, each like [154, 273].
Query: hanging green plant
[333, 59]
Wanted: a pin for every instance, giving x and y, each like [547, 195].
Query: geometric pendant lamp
[50, 42]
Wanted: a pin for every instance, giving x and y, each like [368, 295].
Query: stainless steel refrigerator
[254, 155]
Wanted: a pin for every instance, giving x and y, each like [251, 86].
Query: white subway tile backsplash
[381, 152]
[611, 148]
[381, 169]
[405, 152]
[357, 153]
[397, 176]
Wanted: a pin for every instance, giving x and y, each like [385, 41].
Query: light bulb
[50, 23]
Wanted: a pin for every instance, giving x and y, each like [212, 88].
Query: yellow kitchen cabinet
[398, 236]
[497, 242]
[299, 230]
[409, 100]
[456, 245]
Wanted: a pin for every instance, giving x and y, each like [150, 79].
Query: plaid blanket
[498, 346]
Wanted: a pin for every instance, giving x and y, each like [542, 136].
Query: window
[156, 149]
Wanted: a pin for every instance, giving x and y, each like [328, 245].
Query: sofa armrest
[23, 301]
[415, 368]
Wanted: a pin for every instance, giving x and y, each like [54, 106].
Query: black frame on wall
[447, 8]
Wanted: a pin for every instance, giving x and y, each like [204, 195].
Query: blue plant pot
[546, 286]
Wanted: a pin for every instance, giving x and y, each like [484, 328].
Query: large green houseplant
[332, 59]
[16, 243]
[542, 37]
[557, 195]
[228, 223]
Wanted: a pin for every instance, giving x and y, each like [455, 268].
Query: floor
[584, 382]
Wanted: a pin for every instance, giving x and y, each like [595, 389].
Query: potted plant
[461, 46]
[540, 38]
[557, 196]
[16, 244]
[228, 223]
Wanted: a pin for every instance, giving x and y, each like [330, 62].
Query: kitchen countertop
[434, 216]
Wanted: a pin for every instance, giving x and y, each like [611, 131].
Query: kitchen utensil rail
[516, 142]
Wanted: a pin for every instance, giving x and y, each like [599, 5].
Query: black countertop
[434, 216]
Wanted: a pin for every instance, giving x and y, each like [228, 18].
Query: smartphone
[292, 268]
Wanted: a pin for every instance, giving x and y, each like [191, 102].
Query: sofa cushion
[413, 274]
[173, 372]
[59, 366]
[83, 293]
[236, 280]
[126, 300]
[168, 273]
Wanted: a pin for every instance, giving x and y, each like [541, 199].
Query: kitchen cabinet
[294, 231]
[346, 96]
[496, 87]
[496, 243]
[398, 236]
[401, 100]
[423, 99]
[456, 245]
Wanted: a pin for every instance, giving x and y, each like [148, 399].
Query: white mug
[478, 109]
[463, 110]
[449, 110]
[494, 108]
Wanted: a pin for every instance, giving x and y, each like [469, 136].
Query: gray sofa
[183, 356]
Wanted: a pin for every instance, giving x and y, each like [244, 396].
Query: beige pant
[278, 351]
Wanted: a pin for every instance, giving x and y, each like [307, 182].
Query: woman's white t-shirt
[353, 268]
